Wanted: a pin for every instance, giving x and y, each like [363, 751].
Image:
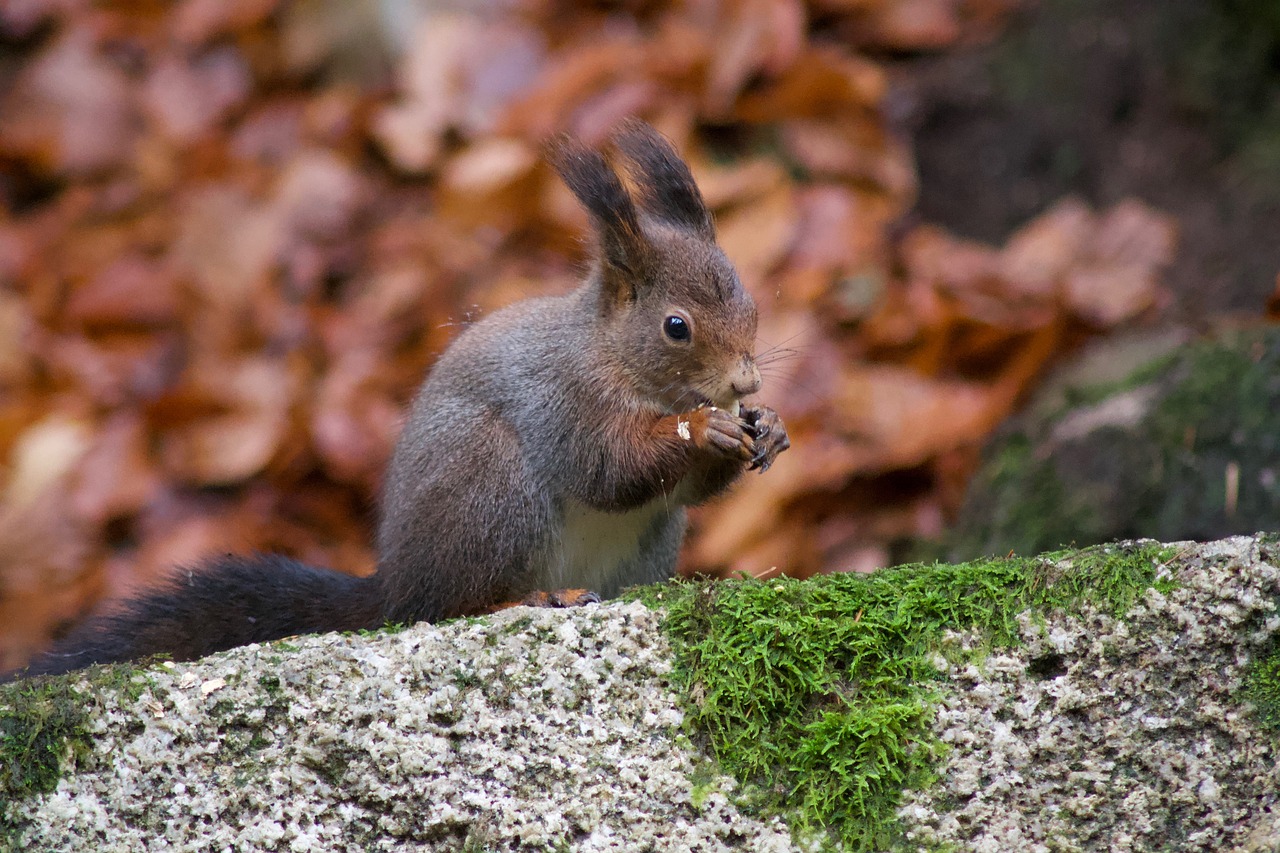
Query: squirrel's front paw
[718, 431]
[769, 433]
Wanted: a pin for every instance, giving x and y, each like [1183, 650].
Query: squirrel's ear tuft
[667, 186]
[597, 186]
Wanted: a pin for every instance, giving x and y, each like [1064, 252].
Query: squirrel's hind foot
[552, 598]
[561, 598]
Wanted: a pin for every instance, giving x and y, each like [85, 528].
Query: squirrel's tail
[225, 602]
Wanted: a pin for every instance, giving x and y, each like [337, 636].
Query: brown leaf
[490, 183]
[187, 98]
[760, 36]
[901, 419]
[20, 19]
[855, 149]
[116, 369]
[756, 238]
[226, 243]
[181, 530]
[932, 254]
[724, 185]
[1107, 295]
[317, 197]
[840, 229]
[44, 556]
[567, 80]
[15, 355]
[460, 68]
[356, 419]
[71, 111]
[43, 457]
[255, 396]
[751, 512]
[200, 21]
[909, 25]
[1037, 257]
[800, 362]
[116, 476]
[134, 291]
[1132, 233]
[823, 81]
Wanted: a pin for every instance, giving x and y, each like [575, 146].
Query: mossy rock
[1180, 442]
[1056, 702]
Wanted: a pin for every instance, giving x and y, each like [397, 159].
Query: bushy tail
[221, 604]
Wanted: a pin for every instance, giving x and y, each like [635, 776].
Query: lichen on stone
[1110, 698]
[1139, 738]
[429, 739]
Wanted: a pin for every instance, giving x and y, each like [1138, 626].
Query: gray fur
[554, 445]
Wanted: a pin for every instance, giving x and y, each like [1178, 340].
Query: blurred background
[235, 233]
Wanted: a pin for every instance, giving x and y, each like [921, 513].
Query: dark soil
[1175, 102]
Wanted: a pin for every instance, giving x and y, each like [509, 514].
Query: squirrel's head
[673, 312]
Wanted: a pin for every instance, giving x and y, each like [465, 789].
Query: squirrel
[553, 446]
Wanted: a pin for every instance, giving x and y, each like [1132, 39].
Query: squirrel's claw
[769, 434]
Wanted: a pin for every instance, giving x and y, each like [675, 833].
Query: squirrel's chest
[606, 551]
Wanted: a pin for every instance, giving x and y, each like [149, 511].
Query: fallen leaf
[256, 396]
[754, 37]
[71, 111]
[1108, 295]
[756, 238]
[1038, 256]
[226, 243]
[1134, 233]
[116, 476]
[356, 418]
[187, 98]
[431, 84]
[213, 685]
[909, 25]
[317, 197]
[823, 81]
[134, 291]
[840, 229]
[902, 419]
[200, 21]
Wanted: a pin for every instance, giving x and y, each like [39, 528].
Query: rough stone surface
[535, 730]
[1117, 735]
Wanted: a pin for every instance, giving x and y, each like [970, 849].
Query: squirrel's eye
[677, 328]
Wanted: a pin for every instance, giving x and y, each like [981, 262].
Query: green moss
[1024, 505]
[705, 783]
[41, 722]
[1262, 689]
[818, 695]
[1222, 413]
[1198, 464]
[387, 629]
[1223, 59]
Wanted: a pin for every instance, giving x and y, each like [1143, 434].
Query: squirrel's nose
[747, 381]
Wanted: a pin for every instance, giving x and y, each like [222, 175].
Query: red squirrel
[554, 445]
